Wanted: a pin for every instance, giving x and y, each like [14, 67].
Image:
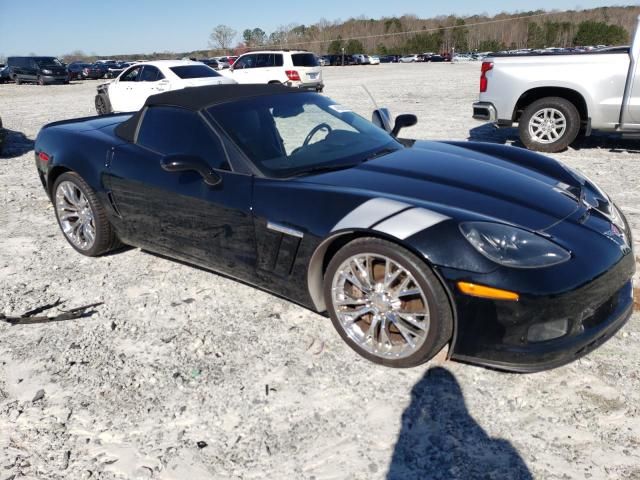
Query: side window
[131, 75]
[247, 61]
[150, 74]
[170, 130]
[277, 60]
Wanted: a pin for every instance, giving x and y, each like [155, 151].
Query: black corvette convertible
[512, 259]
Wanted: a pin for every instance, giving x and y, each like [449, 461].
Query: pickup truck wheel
[549, 125]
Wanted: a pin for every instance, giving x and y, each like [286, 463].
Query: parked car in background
[374, 60]
[361, 59]
[410, 58]
[5, 74]
[322, 61]
[40, 70]
[509, 257]
[95, 71]
[75, 69]
[295, 68]
[555, 97]
[341, 60]
[211, 62]
[116, 68]
[223, 62]
[390, 58]
[229, 60]
[437, 58]
[129, 91]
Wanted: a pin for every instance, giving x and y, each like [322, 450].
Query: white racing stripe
[370, 213]
[410, 222]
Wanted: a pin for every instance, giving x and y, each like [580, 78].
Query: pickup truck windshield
[294, 134]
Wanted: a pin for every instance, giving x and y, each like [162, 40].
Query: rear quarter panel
[599, 78]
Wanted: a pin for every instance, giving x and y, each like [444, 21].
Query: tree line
[411, 34]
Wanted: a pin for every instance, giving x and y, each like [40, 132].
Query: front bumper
[485, 111]
[496, 333]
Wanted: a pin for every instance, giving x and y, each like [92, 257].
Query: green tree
[254, 37]
[459, 36]
[335, 47]
[599, 33]
[535, 36]
[354, 46]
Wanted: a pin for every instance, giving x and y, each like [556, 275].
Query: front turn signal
[487, 292]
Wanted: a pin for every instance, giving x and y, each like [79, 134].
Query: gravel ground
[181, 373]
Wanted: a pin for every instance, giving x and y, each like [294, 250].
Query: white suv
[295, 68]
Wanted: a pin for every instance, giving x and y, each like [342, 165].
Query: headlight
[46, 72]
[513, 247]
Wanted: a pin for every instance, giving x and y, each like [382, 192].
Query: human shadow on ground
[15, 144]
[614, 143]
[440, 440]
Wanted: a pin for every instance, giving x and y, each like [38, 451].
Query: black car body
[390, 58]
[5, 74]
[74, 70]
[41, 70]
[527, 265]
[95, 71]
[3, 136]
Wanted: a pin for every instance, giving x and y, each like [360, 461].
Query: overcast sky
[109, 27]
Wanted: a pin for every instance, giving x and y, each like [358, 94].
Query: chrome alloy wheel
[380, 305]
[75, 215]
[547, 125]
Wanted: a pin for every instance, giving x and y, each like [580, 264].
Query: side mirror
[185, 163]
[382, 118]
[402, 121]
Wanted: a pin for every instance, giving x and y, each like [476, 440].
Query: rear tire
[549, 125]
[408, 319]
[41, 81]
[81, 217]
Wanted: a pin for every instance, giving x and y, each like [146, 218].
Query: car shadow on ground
[15, 144]
[440, 440]
[614, 143]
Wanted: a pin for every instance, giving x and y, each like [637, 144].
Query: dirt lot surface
[183, 374]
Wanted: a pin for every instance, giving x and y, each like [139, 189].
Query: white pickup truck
[555, 97]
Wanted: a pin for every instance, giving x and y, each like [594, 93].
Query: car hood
[467, 180]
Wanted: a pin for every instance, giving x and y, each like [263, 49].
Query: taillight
[484, 81]
[293, 75]
[43, 156]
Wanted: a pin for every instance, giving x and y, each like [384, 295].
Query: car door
[242, 69]
[177, 213]
[150, 82]
[32, 70]
[122, 92]
[633, 107]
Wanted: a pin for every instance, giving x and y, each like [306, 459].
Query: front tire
[103, 106]
[81, 217]
[549, 125]
[386, 303]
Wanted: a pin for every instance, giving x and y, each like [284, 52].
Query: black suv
[41, 70]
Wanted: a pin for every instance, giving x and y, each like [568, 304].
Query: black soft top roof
[197, 98]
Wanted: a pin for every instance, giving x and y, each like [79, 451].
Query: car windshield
[295, 134]
[48, 62]
[194, 71]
